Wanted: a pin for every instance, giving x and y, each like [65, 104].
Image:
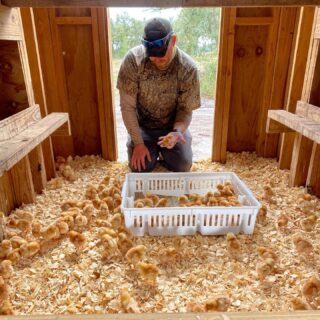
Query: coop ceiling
[158, 3]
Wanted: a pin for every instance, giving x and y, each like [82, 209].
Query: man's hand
[140, 151]
[171, 139]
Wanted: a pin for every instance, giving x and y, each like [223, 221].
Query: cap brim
[156, 52]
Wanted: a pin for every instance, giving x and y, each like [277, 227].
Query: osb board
[60, 282]
[247, 76]
[13, 95]
[78, 63]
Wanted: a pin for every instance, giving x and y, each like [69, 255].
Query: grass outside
[207, 65]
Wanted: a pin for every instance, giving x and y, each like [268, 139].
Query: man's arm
[182, 120]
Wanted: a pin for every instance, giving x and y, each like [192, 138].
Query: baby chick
[148, 271]
[51, 232]
[217, 304]
[163, 202]
[103, 211]
[183, 199]
[193, 306]
[311, 289]
[103, 223]
[139, 204]
[6, 308]
[4, 290]
[168, 255]
[166, 141]
[29, 249]
[6, 269]
[68, 173]
[105, 181]
[267, 253]
[25, 215]
[68, 204]
[127, 302]
[135, 254]
[116, 221]
[267, 193]
[5, 248]
[14, 256]
[147, 202]
[233, 245]
[80, 221]
[36, 228]
[124, 243]
[17, 242]
[78, 240]
[302, 245]
[69, 220]
[62, 226]
[24, 225]
[265, 268]
[105, 230]
[262, 215]
[282, 222]
[88, 211]
[299, 304]
[308, 223]
[153, 197]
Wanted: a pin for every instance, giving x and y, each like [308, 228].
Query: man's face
[162, 63]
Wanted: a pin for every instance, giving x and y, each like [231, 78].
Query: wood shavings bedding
[58, 281]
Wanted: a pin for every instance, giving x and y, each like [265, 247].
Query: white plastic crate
[170, 221]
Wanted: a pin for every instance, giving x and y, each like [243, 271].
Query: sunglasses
[156, 43]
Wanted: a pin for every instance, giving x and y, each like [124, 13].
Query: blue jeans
[177, 159]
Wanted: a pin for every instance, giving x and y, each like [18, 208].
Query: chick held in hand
[171, 139]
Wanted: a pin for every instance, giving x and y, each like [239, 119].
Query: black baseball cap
[157, 29]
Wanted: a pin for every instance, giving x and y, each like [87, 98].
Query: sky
[141, 13]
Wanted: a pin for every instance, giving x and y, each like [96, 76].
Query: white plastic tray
[171, 221]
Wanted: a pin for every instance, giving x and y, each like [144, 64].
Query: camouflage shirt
[160, 94]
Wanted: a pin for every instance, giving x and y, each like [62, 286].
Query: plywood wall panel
[73, 12]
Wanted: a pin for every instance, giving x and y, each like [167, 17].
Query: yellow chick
[128, 303]
[153, 197]
[282, 221]
[80, 221]
[168, 255]
[308, 223]
[265, 268]
[63, 227]
[167, 140]
[116, 203]
[14, 256]
[311, 289]
[24, 225]
[6, 308]
[103, 223]
[69, 220]
[163, 202]
[4, 290]
[135, 254]
[88, 211]
[104, 211]
[233, 245]
[268, 193]
[116, 221]
[139, 204]
[25, 215]
[302, 245]
[217, 304]
[148, 271]
[105, 181]
[5, 248]
[192, 306]
[6, 269]
[147, 202]
[50, 233]
[183, 199]
[109, 201]
[36, 228]
[69, 204]
[17, 242]
[29, 249]
[299, 304]
[106, 230]
[124, 243]
[262, 215]
[78, 240]
[267, 253]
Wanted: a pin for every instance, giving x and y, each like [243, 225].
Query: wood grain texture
[10, 27]
[224, 80]
[38, 171]
[308, 111]
[22, 183]
[6, 193]
[313, 178]
[157, 3]
[297, 70]
[317, 27]
[13, 150]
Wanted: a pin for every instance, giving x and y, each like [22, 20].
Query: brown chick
[30, 249]
[88, 211]
[51, 232]
[6, 308]
[63, 227]
[5, 248]
[282, 221]
[308, 223]
[17, 242]
[265, 268]
[233, 245]
[128, 303]
[267, 193]
[14, 256]
[97, 203]
[163, 202]
[139, 204]
[262, 215]
[217, 304]
[299, 304]
[148, 271]
[109, 201]
[116, 221]
[183, 199]
[267, 253]
[302, 245]
[135, 254]
[193, 306]
[4, 289]
[78, 240]
[168, 255]
[105, 181]
[124, 243]
[6, 269]
[104, 211]
[311, 289]
[69, 220]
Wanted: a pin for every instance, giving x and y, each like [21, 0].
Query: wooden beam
[313, 178]
[158, 3]
[13, 150]
[6, 193]
[308, 111]
[10, 28]
[276, 127]
[224, 79]
[253, 21]
[297, 69]
[37, 167]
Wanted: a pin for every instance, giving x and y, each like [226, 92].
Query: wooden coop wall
[257, 55]
[76, 65]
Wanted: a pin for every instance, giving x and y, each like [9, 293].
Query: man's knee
[180, 165]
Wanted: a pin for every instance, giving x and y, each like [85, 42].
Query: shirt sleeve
[189, 92]
[127, 78]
